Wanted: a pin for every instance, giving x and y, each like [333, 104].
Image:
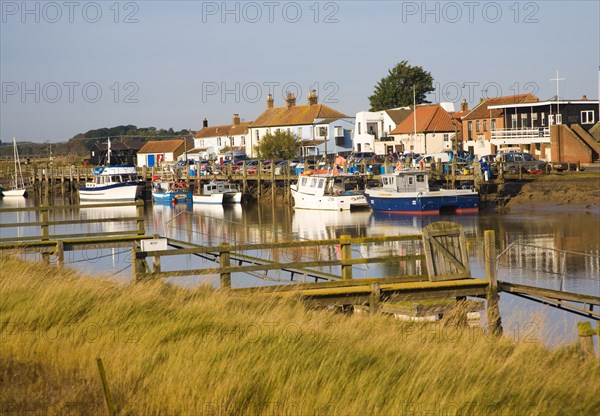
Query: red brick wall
[567, 147]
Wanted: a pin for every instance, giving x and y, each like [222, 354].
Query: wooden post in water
[492, 297]
[346, 251]
[273, 183]
[139, 212]
[586, 342]
[224, 261]
[136, 272]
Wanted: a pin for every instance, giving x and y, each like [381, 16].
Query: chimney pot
[464, 106]
[270, 101]
[584, 98]
[290, 100]
[313, 98]
[236, 119]
[205, 123]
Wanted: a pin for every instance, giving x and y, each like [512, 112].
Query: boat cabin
[219, 187]
[327, 185]
[408, 181]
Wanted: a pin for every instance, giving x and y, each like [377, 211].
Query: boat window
[411, 180]
[304, 180]
[420, 178]
[321, 182]
[313, 182]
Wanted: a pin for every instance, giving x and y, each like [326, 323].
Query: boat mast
[15, 157]
[108, 153]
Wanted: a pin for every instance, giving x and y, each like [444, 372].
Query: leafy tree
[396, 90]
[281, 145]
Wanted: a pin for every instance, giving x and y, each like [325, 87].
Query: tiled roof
[296, 115]
[399, 114]
[458, 115]
[220, 131]
[430, 118]
[481, 111]
[162, 146]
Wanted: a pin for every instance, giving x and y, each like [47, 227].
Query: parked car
[513, 162]
[430, 158]
[281, 167]
[360, 157]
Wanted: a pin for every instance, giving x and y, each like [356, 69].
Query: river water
[556, 250]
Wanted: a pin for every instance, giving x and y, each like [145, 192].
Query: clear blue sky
[69, 68]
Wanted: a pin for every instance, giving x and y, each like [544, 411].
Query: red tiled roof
[220, 131]
[296, 115]
[162, 146]
[481, 111]
[430, 118]
[457, 115]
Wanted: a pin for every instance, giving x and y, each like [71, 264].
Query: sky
[67, 67]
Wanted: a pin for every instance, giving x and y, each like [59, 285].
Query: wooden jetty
[441, 261]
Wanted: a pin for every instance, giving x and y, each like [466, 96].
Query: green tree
[281, 145]
[396, 90]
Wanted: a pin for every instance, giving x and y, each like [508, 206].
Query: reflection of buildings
[322, 225]
[101, 213]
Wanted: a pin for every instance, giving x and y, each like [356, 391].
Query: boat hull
[211, 199]
[127, 191]
[170, 196]
[14, 192]
[458, 201]
[343, 202]
[232, 198]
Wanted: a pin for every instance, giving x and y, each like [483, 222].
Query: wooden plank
[548, 293]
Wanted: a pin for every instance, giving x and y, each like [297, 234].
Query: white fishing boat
[218, 192]
[328, 192]
[113, 183]
[18, 189]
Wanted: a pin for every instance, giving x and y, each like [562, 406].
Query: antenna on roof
[557, 95]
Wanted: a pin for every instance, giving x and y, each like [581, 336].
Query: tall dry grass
[168, 350]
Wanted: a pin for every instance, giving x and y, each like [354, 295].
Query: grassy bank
[168, 350]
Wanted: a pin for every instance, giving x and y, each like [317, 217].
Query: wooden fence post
[224, 261]
[60, 253]
[374, 298]
[135, 272]
[586, 342]
[346, 251]
[44, 221]
[109, 404]
[492, 297]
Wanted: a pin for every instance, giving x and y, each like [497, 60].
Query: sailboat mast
[108, 153]
[15, 157]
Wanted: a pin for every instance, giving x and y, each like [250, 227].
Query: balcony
[521, 135]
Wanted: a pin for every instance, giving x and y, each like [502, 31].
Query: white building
[372, 130]
[431, 129]
[320, 129]
[212, 142]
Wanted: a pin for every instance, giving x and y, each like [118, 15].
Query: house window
[524, 120]
[257, 138]
[322, 131]
[534, 120]
[477, 126]
[277, 131]
[587, 117]
[493, 124]
[300, 132]
[469, 130]
[446, 137]
[219, 142]
[243, 142]
[554, 119]
[359, 128]
[339, 132]
[513, 121]
[484, 125]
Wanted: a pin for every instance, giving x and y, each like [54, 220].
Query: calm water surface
[552, 250]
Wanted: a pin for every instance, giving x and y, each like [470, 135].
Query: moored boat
[18, 188]
[408, 192]
[328, 192]
[113, 183]
[169, 190]
[218, 192]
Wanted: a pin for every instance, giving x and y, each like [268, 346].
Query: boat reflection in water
[126, 213]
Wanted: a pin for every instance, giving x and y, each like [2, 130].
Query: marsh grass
[169, 350]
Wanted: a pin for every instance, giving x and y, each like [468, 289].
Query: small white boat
[328, 192]
[170, 190]
[18, 188]
[113, 183]
[218, 192]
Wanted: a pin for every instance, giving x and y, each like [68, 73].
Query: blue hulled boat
[408, 192]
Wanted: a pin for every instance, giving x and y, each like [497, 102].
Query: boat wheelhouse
[409, 192]
[219, 192]
[328, 192]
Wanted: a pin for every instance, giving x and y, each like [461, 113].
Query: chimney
[313, 98]
[464, 106]
[236, 119]
[584, 98]
[290, 100]
[205, 123]
[270, 101]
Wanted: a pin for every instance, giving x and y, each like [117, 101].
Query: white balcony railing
[530, 134]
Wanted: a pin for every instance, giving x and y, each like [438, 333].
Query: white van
[431, 157]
